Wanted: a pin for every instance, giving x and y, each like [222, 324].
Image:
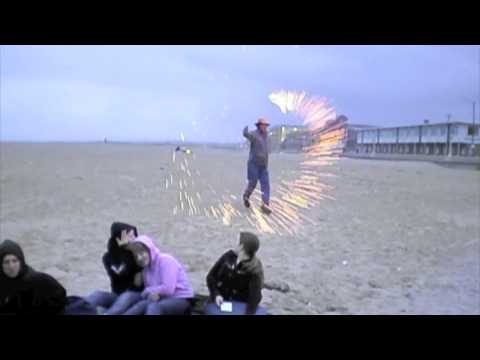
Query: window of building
[471, 130]
[443, 131]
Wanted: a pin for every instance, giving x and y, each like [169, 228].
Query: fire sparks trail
[291, 199]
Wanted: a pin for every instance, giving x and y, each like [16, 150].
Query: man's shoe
[266, 209]
[246, 202]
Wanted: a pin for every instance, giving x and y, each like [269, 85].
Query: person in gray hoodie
[257, 167]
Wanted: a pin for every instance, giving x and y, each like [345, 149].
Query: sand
[399, 238]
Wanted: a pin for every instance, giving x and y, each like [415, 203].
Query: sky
[209, 93]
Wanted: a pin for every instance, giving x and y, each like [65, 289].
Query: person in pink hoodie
[167, 290]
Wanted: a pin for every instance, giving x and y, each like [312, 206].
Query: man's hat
[262, 121]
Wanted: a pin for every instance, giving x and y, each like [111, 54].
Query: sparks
[291, 199]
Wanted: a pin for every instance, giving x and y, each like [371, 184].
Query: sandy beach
[399, 238]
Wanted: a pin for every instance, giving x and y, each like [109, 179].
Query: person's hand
[123, 239]
[138, 280]
[130, 235]
[153, 297]
[219, 300]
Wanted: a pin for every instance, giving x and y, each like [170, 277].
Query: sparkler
[291, 199]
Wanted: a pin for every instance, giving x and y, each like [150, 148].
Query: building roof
[289, 126]
[417, 125]
[360, 126]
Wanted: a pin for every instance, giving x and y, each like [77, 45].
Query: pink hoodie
[164, 275]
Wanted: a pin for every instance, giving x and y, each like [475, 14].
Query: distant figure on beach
[237, 277]
[167, 288]
[125, 274]
[257, 167]
[24, 290]
[105, 140]
[184, 150]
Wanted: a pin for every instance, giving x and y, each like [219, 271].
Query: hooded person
[118, 261]
[237, 277]
[167, 288]
[125, 275]
[24, 290]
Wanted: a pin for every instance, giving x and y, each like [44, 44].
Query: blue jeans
[167, 306]
[116, 304]
[238, 308]
[254, 174]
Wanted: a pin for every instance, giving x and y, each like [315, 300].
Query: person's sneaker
[266, 209]
[246, 202]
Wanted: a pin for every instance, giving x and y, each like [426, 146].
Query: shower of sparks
[291, 200]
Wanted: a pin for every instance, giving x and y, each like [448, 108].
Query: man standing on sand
[258, 164]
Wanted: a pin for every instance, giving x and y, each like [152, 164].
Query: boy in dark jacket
[237, 277]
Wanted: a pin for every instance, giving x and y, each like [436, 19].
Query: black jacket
[119, 262]
[237, 283]
[31, 292]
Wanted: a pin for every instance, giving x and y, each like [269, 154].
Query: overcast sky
[135, 93]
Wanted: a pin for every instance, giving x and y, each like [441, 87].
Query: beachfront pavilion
[441, 139]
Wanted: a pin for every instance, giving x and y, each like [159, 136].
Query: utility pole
[474, 130]
[449, 136]
[473, 122]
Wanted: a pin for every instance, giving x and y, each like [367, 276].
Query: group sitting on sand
[144, 281]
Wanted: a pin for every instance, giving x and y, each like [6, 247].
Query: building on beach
[441, 139]
[456, 141]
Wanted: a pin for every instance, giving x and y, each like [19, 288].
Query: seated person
[167, 288]
[237, 277]
[125, 275]
[24, 290]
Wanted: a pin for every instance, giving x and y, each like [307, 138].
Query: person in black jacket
[237, 277]
[24, 290]
[125, 275]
